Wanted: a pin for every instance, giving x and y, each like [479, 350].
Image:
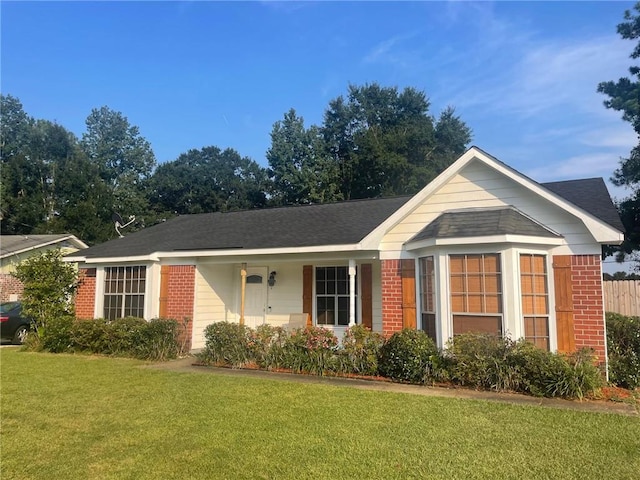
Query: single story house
[16, 248]
[481, 248]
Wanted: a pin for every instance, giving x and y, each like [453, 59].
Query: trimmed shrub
[410, 356]
[90, 336]
[623, 345]
[484, 361]
[154, 340]
[131, 337]
[494, 363]
[360, 351]
[266, 346]
[310, 350]
[55, 337]
[226, 343]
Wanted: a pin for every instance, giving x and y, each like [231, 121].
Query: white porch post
[352, 292]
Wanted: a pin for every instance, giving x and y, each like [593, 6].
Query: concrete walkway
[187, 365]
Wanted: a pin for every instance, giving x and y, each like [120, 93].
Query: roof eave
[488, 239]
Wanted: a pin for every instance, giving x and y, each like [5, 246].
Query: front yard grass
[78, 417]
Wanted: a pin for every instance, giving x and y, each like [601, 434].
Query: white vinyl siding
[480, 186]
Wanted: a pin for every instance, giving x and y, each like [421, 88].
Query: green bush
[90, 336]
[623, 345]
[310, 350]
[226, 344]
[131, 337]
[360, 351]
[154, 340]
[266, 346]
[56, 337]
[410, 356]
[484, 361]
[500, 364]
[121, 336]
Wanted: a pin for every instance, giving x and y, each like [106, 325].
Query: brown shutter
[307, 292]
[164, 290]
[365, 295]
[564, 302]
[408, 272]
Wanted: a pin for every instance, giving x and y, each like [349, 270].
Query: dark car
[13, 326]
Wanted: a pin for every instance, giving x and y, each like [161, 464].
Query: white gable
[477, 180]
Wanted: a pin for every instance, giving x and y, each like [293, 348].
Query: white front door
[255, 299]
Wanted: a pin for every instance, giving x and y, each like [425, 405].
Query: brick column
[588, 308]
[10, 286]
[181, 297]
[86, 293]
[391, 297]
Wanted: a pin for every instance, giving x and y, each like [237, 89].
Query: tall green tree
[384, 141]
[624, 96]
[49, 285]
[48, 183]
[300, 169]
[124, 158]
[207, 180]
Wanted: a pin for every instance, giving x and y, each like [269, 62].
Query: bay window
[476, 293]
[535, 299]
[427, 296]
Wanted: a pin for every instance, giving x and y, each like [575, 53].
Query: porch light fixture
[272, 279]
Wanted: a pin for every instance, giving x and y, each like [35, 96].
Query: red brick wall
[86, 293]
[10, 285]
[391, 297]
[182, 284]
[588, 309]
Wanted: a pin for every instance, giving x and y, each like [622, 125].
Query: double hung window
[332, 295]
[124, 289]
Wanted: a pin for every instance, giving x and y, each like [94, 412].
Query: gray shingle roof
[591, 195]
[480, 222]
[340, 223]
[12, 244]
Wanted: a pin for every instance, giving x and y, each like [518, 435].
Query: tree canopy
[207, 180]
[375, 141]
[624, 96]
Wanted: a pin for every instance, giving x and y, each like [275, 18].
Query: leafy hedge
[128, 337]
[623, 344]
[476, 361]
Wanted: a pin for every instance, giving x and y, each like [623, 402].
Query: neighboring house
[16, 248]
[481, 248]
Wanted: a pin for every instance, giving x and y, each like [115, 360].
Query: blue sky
[193, 74]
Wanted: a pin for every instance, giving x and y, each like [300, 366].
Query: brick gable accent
[588, 303]
[86, 293]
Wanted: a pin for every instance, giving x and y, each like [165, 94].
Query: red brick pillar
[181, 297]
[10, 287]
[391, 297]
[86, 293]
[588, 308]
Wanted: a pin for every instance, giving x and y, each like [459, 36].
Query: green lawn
[76, 417]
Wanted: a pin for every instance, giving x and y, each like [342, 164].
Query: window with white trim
[428, 296]
[124, 289]
[476, 293]
[535, 299]
[332, 296]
